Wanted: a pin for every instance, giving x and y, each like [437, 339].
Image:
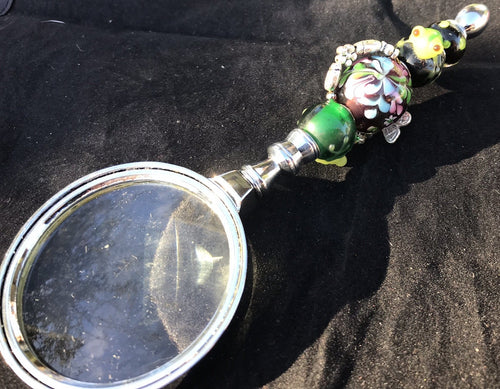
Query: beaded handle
[370, 83]
[368, 88]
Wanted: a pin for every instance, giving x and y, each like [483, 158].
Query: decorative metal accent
[243, 185]
[473, 18]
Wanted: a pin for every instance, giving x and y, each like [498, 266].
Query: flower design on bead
[376, 89]
[391, 119]
[373, 85]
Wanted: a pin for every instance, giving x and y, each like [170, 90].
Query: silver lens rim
[15, 349]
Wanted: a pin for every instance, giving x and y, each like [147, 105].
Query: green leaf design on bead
[332, 127]
[461, 45]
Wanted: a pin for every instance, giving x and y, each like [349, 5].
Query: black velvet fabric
[382, 273]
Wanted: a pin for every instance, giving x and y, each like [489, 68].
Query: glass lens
[124, 281]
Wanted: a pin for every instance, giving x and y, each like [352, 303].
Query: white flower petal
[370, 113]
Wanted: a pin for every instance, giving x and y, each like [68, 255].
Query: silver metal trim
[473, 18]
[243, 185]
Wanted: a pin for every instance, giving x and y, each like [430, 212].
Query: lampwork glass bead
[376, 90]
[423, 53]
[332, 127]
[454, 39]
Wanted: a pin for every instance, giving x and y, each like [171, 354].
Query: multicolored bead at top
[376, 89]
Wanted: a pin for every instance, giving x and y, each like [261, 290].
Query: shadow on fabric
[319, 247]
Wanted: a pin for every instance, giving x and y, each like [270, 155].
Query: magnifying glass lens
[135, 279]
[125, 283]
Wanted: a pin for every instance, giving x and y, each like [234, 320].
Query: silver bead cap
[473, 18]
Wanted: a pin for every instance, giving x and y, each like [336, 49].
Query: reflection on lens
[125, 282]
[188, 290]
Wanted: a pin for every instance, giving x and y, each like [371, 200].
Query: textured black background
[384, 273]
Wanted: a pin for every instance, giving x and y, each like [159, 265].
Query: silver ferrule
[251, 181]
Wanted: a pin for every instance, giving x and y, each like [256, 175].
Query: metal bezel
[16, 350]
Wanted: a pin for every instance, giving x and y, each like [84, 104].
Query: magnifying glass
[128, 276]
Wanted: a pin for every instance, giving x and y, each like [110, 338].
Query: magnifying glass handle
[369, 87]
[244, 186]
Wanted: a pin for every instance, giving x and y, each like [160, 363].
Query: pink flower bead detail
[376, 90]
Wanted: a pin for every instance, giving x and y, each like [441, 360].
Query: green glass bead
[332, 127]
